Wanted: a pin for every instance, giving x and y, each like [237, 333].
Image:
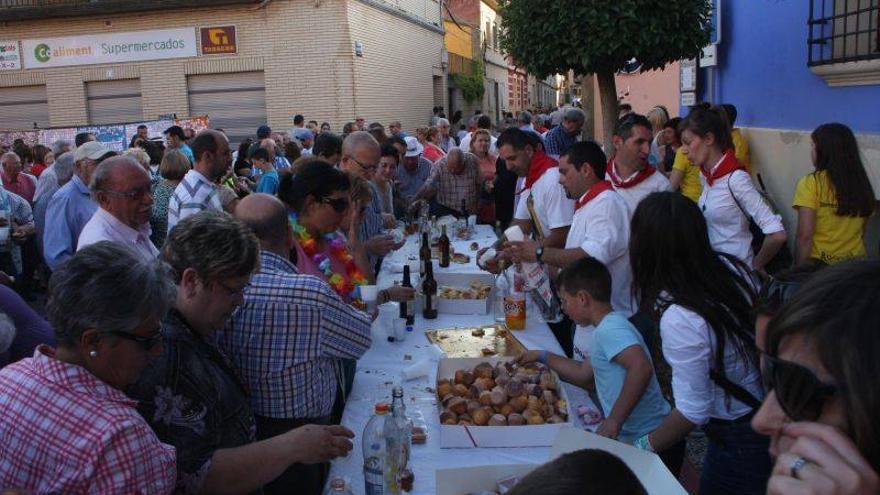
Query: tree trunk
[608, 99]
[589, 103]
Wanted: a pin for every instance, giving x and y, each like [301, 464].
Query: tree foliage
[472, 86]
[592, 36]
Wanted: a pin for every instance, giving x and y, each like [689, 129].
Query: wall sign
[10, 57]
[109, 48]
[218, 40]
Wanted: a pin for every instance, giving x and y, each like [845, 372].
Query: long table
[380, 369]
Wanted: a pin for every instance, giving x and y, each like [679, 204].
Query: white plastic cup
[369, 294]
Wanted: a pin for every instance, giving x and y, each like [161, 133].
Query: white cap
[92, 150]
[413, 147]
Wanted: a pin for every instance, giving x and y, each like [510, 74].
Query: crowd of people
[203, 317]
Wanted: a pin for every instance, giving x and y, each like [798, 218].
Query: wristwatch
[539, 252]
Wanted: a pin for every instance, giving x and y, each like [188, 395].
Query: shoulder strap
[732, 195]
[734, 390]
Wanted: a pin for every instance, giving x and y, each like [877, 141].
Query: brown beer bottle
[443, 243]
[424, 253]
[407, 309]
[429, 291]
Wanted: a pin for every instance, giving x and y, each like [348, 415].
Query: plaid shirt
[194, 194]
[65, 431]
[285, 340]
[452, 189]
[557, 141]
[192, 399]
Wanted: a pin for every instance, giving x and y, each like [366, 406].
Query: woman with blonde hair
[480, 145]
[658, 116]
[433, 151]
[172, 169]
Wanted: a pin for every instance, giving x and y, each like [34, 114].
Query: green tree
[600, 36]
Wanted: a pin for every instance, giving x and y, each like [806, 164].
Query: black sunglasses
[800, 393]
[339, 205]
[146, 342]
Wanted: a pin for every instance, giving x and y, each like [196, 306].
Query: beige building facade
[329, 60]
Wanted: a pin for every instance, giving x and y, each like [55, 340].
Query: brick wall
[305, 49]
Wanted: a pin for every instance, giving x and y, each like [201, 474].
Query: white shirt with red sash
[553, 208]
[600, 227]
[636, 187]
[728, 226]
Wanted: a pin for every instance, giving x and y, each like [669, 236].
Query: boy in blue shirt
[619, 368]
[269, 178]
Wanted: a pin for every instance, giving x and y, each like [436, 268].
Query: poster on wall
[112, 136]
[49, 136]
[10, 57]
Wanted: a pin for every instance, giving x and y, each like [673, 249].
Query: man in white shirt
[628, 170]
[121, 187]
[198, 189]
[599, 228]
[552, 210]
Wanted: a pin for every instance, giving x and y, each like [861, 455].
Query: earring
[93, 354]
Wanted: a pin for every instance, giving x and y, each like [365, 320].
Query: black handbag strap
[734, 390]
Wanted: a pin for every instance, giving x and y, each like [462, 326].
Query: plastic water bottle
[398, 441]
[375, 458]
[501, 289]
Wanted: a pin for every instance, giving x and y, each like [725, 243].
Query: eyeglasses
[233, 291]
[339, 205]
[137, 194]
[361, 165]
[146, 342]
[800, 393]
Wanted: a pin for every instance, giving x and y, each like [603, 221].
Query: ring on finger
[796, 465]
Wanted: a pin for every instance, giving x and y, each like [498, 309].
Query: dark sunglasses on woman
[800, 393]
[338, 204]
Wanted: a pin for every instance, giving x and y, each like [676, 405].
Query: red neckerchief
[632, 181]
[727, 165]
[541, 162]
[597, 189]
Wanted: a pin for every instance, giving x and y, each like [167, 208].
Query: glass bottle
[443, 244]
[429, 291]
[398, 441]
[375, 451]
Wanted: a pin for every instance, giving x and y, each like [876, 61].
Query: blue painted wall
[763, 71]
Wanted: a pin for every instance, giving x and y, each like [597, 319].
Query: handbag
[783, 259]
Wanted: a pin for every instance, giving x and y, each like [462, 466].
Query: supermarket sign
[109, 48]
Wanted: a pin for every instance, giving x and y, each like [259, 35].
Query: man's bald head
[361, 154]
[266, 215]
[455, 161]
[356, 140]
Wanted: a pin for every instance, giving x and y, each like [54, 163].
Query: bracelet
[542, 357]
[644, 443]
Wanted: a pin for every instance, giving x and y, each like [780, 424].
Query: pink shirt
[24, 185]
[66, 431]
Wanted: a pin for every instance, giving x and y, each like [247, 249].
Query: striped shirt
[286, 339]
[194, 194]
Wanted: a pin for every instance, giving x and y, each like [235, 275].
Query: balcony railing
[843, 31]
[22, 10]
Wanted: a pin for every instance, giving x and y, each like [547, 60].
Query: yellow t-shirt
[741, 148]
[690, 183]
[836, 238]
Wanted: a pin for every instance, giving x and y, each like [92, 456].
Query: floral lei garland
[344, 284]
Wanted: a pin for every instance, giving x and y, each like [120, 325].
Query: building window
[495, 36]
[488, 34]
[843, 31]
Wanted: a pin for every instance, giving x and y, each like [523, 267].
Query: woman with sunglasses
[729, 199]
[702, 300]
[823, 404]
[67, 426]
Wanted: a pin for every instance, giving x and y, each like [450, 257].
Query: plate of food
[488, 340]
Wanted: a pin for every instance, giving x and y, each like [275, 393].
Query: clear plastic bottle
[338, 486]
[398, 441]
[502, 287]
[375, 458]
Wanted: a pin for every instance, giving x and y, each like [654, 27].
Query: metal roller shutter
[114, 102]
[22, 107]
[233, 102]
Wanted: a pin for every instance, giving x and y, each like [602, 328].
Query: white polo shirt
[728, 226]
[554, 209]
[633, 195]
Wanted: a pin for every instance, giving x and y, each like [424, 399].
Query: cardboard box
[464, 306]
[459, 481]
[648, 467]
[455, 436]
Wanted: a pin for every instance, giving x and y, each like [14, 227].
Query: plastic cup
[369, 294]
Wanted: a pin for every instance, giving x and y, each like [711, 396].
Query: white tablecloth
[381, 368]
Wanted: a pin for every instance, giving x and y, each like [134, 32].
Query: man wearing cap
[415, 170]
[558, 140]
[121, 188]
[176, 140]
[306, 138]
[71, 207]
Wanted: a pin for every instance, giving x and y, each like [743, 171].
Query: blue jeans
[737, 461]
